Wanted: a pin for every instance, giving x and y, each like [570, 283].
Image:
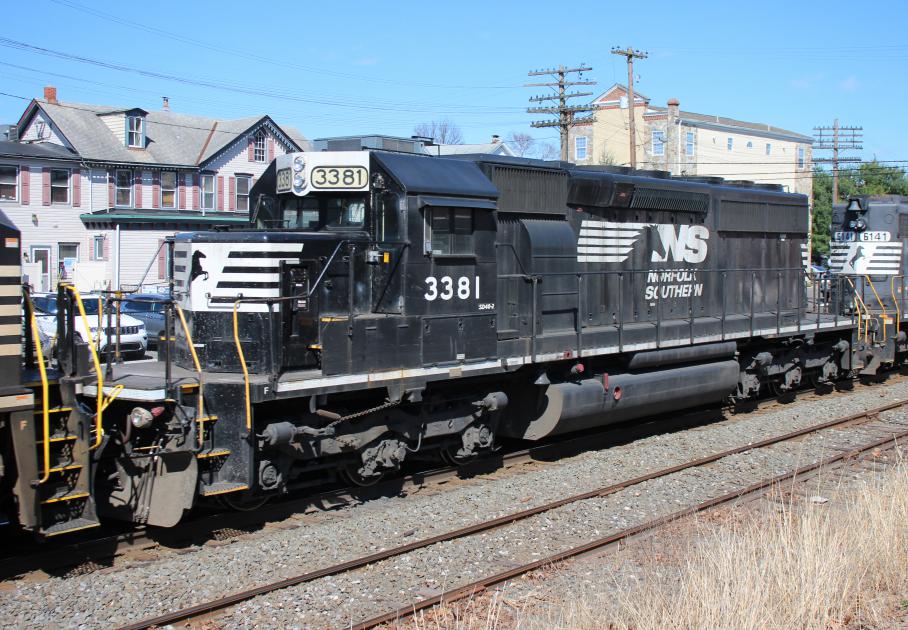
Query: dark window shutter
[45, 186]
[220, 192]
[156, 190]
[77, 188]
[111, 189]
[270, 150]
[138, 189]
[195, 191]
[181, 182]
[231, 199]
[250, 149]
[24, 176]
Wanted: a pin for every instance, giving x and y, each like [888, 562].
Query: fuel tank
[610, 398]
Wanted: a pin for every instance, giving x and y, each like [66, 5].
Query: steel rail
[484, 583]
[356, 563]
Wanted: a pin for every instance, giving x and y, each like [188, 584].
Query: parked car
[148, 308]
[133, 336]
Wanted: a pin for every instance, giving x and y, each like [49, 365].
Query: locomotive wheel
[244, 503]
[351, 475]
[450, 457]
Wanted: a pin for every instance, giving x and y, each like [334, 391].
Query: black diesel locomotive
[385, 306]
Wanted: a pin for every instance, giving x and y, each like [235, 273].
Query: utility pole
[835, 139]
[567, 114]
[631, 54]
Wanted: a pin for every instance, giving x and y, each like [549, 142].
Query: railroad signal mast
[631, 54]
[567, 114]
[835, 139]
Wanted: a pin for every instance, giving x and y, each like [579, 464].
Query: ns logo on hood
[613, 241]
[687, 244]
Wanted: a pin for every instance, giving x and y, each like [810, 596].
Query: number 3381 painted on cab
[447, 288]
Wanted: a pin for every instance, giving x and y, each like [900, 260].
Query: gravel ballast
[142, 590]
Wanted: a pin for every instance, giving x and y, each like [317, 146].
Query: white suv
[133, 337]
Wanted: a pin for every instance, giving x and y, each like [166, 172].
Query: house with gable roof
[691, 144]
[96, 190]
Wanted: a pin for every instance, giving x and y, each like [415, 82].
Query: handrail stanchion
[242, 357]
[101, 401]
[198, 368]
[45, 401]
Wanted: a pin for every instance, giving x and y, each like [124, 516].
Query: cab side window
[451, 231]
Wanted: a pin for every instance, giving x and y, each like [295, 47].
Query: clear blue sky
[342, 68]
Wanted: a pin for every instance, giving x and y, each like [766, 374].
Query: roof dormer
[128, 126]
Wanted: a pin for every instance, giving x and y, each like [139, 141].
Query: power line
[254, 90]
[567, 114]
[254, 57]
[837, 138]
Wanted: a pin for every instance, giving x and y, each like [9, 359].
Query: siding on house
[51, 133]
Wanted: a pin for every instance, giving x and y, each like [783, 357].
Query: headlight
[141, 326]
[298, 164]
[299, 182]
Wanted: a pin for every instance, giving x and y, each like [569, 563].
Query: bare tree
[549, 151]
[441, 131]
[523, 144]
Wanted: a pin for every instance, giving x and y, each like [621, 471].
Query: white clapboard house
[95, 190]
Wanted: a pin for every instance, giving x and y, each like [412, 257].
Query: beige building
[690, 144]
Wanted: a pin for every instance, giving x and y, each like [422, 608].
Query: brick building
[687, 143]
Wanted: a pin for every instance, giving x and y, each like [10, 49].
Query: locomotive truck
[383, 306]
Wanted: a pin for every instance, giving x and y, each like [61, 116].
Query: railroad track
[94, 551]
[98, 547]
[206, 610]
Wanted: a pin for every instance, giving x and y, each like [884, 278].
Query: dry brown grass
[842, 564]
[804, 565]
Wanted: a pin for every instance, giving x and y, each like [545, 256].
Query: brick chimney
[496, 139]
[166, 106]
[50, 94]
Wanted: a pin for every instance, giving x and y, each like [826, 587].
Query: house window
[451, 231]
[207, 192]
[800, 157]
[67, 257]
[135, 132]
[59, 185]
[9, 183]
[658, 142]
[731, 143]
[768, 148]
[97, 244]
[690, 143]
[243, 184]
[124, 189]
[750, 145]
[39, 130]
[580, 148]
[258, 148]
[168, 189]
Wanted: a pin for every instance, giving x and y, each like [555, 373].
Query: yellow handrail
[100, 324]
[239, 351]
[880, 302]
[198, 368]
[859, 305]
[895, 301]
[45, 402]
[99, 429]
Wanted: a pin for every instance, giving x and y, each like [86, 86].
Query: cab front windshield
[312, 213]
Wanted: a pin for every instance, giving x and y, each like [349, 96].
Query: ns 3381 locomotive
[383, 306]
